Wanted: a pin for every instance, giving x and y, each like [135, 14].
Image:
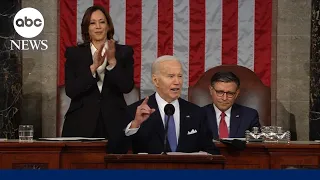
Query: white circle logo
[28, 22]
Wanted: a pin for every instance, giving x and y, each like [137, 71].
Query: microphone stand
[169, 111]
[166, 135]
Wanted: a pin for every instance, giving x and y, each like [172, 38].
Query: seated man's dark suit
[242, 118]
[150, 136]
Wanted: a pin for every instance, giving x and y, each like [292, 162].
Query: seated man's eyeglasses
[221, 93]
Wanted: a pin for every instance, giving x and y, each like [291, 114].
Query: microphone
[169, 111]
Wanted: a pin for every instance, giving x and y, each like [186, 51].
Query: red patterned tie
[223, 129]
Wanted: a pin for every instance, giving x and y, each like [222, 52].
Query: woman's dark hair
[86, 22]
[225, 77]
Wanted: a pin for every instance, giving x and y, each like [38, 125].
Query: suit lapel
[184, 117]
[118, 57]
[212, 121]
[235, 120]
[117, 54]
[86, 53]
[156, 117]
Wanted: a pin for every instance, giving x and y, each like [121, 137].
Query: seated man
[187, 131]
[225, 118]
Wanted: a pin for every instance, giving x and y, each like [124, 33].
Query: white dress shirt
[161, 104]
[227, 117]
[101, 69]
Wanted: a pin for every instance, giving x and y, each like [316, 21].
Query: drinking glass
[26, 133]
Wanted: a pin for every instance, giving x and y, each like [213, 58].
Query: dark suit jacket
[150, 136]
[242, 118]
[86, 100]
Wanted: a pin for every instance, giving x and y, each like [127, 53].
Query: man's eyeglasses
[221, 93]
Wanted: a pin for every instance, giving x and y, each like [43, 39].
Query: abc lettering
[28, 22]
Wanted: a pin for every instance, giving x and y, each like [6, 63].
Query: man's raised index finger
[145, 101]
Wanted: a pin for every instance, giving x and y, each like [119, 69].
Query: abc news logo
[28, 23]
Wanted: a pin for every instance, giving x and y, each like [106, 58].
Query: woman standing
[97, 73]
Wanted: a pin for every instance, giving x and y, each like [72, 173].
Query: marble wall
[315, 72]
[290, 65]
[290, 69]
[40, 73]
[10, 72]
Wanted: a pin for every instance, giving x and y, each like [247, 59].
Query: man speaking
[164, 122]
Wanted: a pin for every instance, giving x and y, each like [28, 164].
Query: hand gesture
[98, 59]
[111, 51]
[143, 112]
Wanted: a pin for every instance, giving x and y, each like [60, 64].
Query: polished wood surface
[296, 154]
[148, 161]
[52, 155]
[91, 155]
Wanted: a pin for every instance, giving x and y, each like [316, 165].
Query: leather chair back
[253, 93]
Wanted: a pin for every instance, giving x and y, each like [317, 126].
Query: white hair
[155, 64]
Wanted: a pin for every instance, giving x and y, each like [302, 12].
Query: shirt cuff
[100, 70]
[110, 67]
[132, 131]
[94, 75]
